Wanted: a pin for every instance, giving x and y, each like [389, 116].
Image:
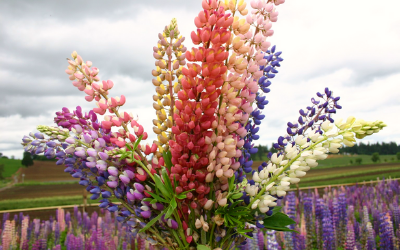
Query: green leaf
[160, 185]
[181, 196]
[236, 196]
[150, 223]
[137, 143]
[154, 201]
[167, 181]
[169, 212]
[160, 199]
[285, 229]
[279, 220]
[203, 247]
[167, 159]
[231, 183]
[173, 203]
[187, 191]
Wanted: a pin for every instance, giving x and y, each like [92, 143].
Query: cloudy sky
[350, 46]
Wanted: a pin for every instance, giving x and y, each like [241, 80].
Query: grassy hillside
[10, 166]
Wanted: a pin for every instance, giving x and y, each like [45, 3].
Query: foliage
[382, 148]
[375, 157]
[27, 159]
[358, 160]
[1, 171]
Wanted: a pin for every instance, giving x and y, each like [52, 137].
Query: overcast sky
[351, 47]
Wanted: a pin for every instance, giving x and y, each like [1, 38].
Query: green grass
[44, 202]
[350, 174]
[38, 183]
[10, 166]
[344, 160]
[344, 180]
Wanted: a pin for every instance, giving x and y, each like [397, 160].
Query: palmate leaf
[150, 223]
[137, 143]
[278, 221]
[160, 186]
[203, 247]
[167, 181]
[158, 198]
[167, 159]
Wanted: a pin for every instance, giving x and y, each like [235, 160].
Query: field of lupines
[353, 217]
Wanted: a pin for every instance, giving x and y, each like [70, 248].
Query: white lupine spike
[256, 177]
[300, 173]
[294, 180]
[326, 126]
[271, 168]
[311, 162]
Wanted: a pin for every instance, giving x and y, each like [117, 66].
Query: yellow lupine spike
[164, 134]
[158, 45]
[159, 79]
[175, 84]
[159, 103]
[241, 2]
[179, 53]
[159, 52]
[160, 149]
[235, 18]
[163, 34]
[163, 112]
[226, 2]
[158, 68]
[159, 125]
[162, 86]
[242, 21]
[234, 2]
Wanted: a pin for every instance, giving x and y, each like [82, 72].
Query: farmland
[46, 184]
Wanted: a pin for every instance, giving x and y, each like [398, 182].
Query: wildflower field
[354, 217]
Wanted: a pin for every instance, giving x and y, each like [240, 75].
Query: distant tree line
[383, 148]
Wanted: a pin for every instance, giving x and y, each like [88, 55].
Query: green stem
[211, 235]
[178, 219]
[181, 245]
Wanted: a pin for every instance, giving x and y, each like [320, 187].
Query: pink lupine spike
[105, 124]
[95, 86]
[102, 105]
[79, 76]
[89, 99]
[99, 111]
[122, 100]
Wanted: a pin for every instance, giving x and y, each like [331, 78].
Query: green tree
[27, 159]
[375, 157]
[358, 160]
[1, 171]
[398, 156]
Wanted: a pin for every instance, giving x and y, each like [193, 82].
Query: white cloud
[350, 47]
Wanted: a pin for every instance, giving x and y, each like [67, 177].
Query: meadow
[45, 184]
[353, 217]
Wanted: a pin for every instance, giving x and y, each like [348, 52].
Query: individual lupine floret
[168, 70]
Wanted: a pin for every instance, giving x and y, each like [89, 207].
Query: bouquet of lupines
[195, 187]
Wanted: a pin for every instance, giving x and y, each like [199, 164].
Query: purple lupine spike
[386, 232]
[260, 237]
[328, 234]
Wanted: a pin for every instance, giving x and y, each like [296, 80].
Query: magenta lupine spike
[350, 238]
